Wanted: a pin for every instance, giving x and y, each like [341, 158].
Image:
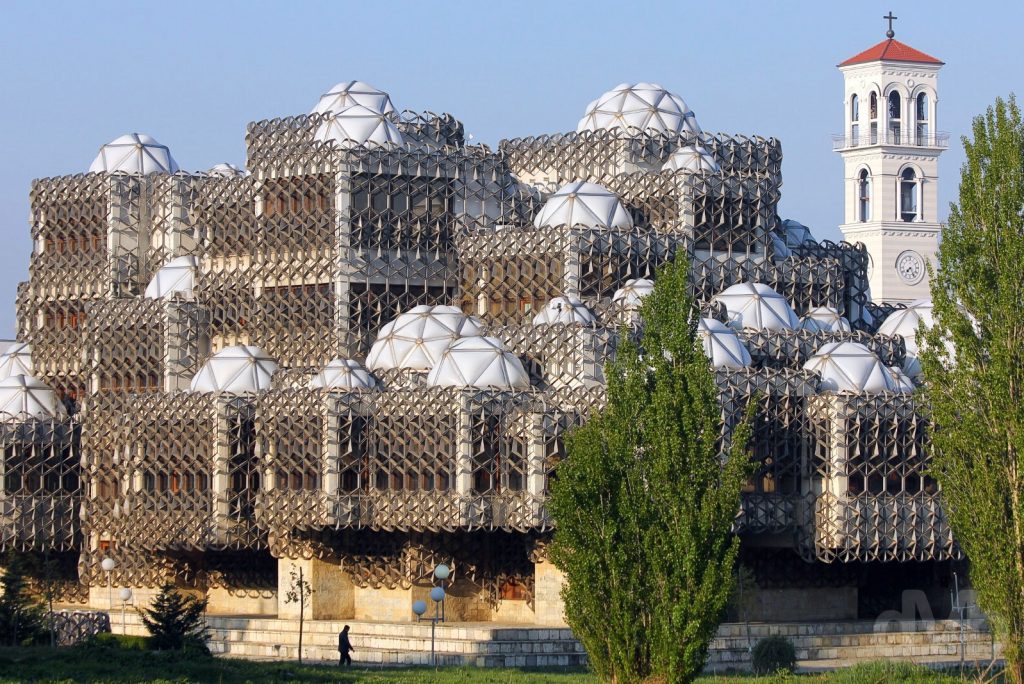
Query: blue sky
[192, 74]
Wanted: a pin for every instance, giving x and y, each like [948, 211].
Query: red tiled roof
[891, 50]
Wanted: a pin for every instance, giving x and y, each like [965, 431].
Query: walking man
[344, 648]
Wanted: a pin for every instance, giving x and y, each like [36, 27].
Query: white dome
[235, 370]
[478, 362]
[904, 322]
[584, 204]
[343, 374]
[824, 319]
[796, 233]
[226, 170]
[358, 125]
[17, 360]
[568, 310]
[691, 158]
[643, 106]
[350, 93]
[23, 397]
[134, 153]
[631, 294]
[850, 367]
[722, 345]
[756, 306]
[904, 383]
[416, 339]
[177, 275]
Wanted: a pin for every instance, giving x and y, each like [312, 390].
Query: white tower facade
[890, 148]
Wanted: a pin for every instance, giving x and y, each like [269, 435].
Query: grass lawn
[120, 665]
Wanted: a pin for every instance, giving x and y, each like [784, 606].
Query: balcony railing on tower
[909, 139]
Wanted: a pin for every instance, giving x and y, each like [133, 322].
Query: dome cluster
[239, 369]
[756, 306]
[449, 346]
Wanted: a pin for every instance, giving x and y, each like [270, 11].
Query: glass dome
[134, 153]
[356, 126]
[176, 276]
[631, 294]
[567, 310]
[755, 306]
[16, 360]
[850, 367]
[905, 322]
[350, 93]
[643, 106]
[824, 319]
[722, 345]
[23, 397]
[235, 370]
[583, 204]
[226, 170]
[343, 374]
[416, 339]
[478, 362]
[691, 158]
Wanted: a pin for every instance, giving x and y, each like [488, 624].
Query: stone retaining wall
[819, 645]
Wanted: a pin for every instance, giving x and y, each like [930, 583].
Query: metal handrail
[938, 140]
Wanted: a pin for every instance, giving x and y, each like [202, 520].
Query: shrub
[773, 654]
[124, 642]
[175, 620]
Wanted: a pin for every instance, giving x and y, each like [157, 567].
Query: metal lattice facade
[309, 257]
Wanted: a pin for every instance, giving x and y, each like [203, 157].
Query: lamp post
[108, 564]
[437, 595]
[125, 595]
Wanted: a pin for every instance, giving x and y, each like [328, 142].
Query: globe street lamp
[108, 564]
[125, 596]
[437, 594]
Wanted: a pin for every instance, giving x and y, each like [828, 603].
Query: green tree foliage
[175, 621]
[645, 500]
[299, 591]
[973, 363]
[21, 614]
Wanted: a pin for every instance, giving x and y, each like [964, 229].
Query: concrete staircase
[824, 645]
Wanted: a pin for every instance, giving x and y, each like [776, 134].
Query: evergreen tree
[175, 621]
[21, 614]
[645, 501]
[973, 363]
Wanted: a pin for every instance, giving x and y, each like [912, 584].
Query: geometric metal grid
[312, 254]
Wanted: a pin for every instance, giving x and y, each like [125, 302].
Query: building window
[873, 114]
[894, 118]
[855, 121]
[908, 195]
[922, 119]
[863, 196]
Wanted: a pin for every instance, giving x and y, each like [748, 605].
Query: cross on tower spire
[890, 33]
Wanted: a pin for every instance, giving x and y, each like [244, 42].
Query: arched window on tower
[895, 109]
[922, 118]
[863, 196]
[908, 195]
[854, 121]
[873, 114]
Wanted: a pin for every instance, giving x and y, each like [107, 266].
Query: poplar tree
[645, 501]
[973, 364]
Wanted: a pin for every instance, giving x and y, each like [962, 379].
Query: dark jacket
[344, 645]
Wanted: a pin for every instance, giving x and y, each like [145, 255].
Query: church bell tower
[890, 148]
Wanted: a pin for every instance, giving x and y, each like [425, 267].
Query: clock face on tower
[910, 267]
